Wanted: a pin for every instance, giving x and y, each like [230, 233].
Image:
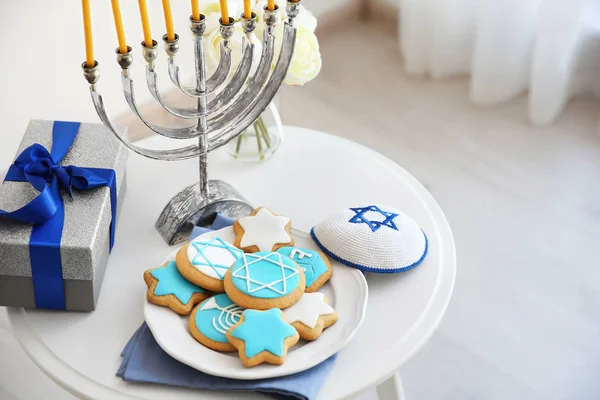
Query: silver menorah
[225, 108]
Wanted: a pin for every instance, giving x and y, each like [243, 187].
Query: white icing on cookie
[212, 255]
[264, 230]
[300, 254]
[308, 309]
[228, 315]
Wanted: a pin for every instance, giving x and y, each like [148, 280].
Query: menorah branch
[197, 28]
[226, 104]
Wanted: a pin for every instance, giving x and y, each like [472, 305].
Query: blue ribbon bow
[47, 212]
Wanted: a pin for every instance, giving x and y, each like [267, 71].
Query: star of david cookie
[262, 231]
[316, 266]
[167, 288]
[211, 319]
[310, 315]
[262, 336]
[264, 280]
[205, 260]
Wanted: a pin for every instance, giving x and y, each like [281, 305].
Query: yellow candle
[145, 23]
[119, 26]
[87, 30]
[224, 11]
[270, 5]
[195, 10]
[247, 9]
[168, 20]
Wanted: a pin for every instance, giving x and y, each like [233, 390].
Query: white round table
[312, 175]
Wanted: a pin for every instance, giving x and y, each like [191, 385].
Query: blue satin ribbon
[47, 210]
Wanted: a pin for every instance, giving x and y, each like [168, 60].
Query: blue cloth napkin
[221, 221]
[144, 361]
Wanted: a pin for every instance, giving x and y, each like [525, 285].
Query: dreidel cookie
[262, 336]
[316, 266]
[206, 259]
[211, 319]
[262, 231]
[166, 287]
[311, 315]
[264, 280]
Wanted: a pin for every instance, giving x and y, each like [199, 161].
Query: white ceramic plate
[346, 291]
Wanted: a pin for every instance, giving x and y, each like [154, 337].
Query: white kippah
[372, 238]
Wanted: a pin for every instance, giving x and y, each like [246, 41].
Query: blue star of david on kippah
[360, 218]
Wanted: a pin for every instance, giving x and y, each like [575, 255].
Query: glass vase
[261, 139]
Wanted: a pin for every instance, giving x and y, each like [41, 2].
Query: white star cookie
[311, 315]
[262, 231]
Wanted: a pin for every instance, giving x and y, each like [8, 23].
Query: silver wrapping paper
[85, 238]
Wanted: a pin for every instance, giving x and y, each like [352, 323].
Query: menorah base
[189, 209]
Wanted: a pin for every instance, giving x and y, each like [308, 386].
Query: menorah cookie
[262, 336]
[211, 319]
[316, 266]
[206, 259]
[166, 287]
[264, 280]
[262, 231]
[310, 315]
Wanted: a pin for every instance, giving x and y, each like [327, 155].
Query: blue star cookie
[168, 288]
[262, 336]
[316, 266]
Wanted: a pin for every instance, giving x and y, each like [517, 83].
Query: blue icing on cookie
[170, 281]
[265, 275]
[311, 262]
[263, 331]
[216, 315]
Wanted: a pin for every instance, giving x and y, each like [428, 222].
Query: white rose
[212, 50]
[306, 19]
[306, 61]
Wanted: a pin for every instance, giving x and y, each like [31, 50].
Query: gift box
[58, 211]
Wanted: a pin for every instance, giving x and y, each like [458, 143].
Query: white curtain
[551, 48]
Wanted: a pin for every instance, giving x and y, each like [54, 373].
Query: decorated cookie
[166, 287]
[205, 260]
[372, 238]
[264, 280]
[262, 231]
[310, 315]
[316, 266]
[262, 336]
[211, 319]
